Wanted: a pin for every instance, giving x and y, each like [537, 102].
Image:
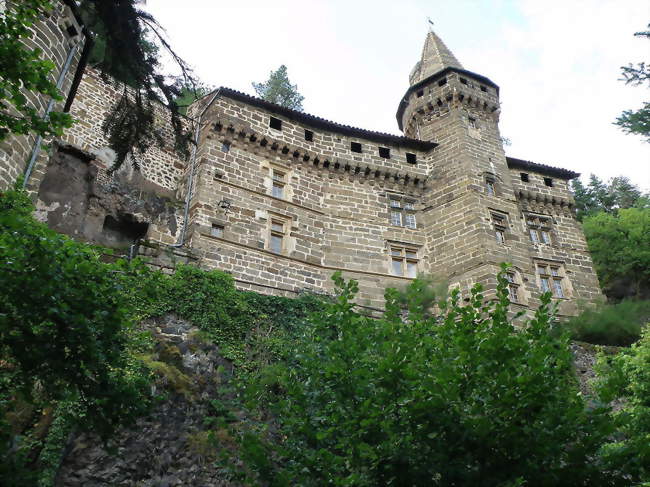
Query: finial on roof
[436, 56]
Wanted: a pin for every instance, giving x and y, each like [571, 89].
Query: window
[483, 88]
[524, 177]
[275, 123]
[276, 241]
[402, 213]
[499, 224]
[463, 80]
[442, 82]
[539, 229]
[411, 158]
[551, 278]
[225, 146]
[548, 182]
[278, 183]
[420, 93]
[309, 135]
[489, 186]
[384, 152]
[216, 231]
[472, 122]
[355, 147]
[404, 261]
[513, 287]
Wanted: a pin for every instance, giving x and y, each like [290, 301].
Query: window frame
[551, 278]
[275, 233]
[279, 182]
[513, 287]
[499, 226]
[490, 186]
[540, 228]
[406, 257]
[402, 212]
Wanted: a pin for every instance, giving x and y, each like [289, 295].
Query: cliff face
[171, 446]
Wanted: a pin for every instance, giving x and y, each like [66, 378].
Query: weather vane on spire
[430, 24]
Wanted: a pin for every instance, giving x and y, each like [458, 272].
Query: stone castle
[281, 199]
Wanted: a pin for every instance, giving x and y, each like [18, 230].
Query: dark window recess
[355, 147]
[217, 231]
[275, 123]
[524, 177]
[410, 158]
[309, 135]
[548, 181]
[225, 146]
[71, 30]
[442, 82]
[420, 93]
[483, 88]
[463, 80]
[384, 152]
[123, 230]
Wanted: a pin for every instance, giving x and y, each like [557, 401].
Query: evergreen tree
[610, 197]
[636, 121]
[279, 90]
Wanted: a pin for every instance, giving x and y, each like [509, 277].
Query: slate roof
[558, 172]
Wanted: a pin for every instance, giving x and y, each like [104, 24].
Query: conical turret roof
[436, 56]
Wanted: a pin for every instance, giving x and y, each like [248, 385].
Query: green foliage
[617, 324]
[279, 90]
[636, 121]
[23, 71]
[462, 398]
[610, 197]
[189, 94]
[626, 377]
[620, 248]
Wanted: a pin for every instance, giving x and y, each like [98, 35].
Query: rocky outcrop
[170, 446]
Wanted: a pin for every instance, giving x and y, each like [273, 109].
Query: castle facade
[281, 199]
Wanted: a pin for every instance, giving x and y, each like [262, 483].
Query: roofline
[404, 101]
[321, 123]
[559, 172]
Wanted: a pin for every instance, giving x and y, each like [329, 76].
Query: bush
[626, 378]
[610, 324]
[462, 398]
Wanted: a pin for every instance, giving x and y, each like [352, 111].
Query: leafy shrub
[610, 324]
[462, 398]
[626, 377]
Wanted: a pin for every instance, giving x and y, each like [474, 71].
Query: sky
[557, 63]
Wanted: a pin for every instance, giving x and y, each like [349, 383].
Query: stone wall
[56, 35]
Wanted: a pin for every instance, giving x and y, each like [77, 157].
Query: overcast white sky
[557, 63]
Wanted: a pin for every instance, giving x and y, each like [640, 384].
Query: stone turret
[436, 56]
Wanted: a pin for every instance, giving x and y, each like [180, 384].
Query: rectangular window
[548, 181]
[355, 147]
[524, 177]
[442, 82]
[217, 231]
[411, 158]
[404, 261]
[402, 213]
[275, 123]
[309, 135]
[384, 152]
[499, 224]
[278, 183]
[472, 122]
[276, 237]
[551, 278]
[225, 146]
[513, 287]
[420, 93]
[539, 229]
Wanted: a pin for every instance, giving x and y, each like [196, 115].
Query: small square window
[217, 231]
[420, 93]
[275, 123]
[355, 147]
[225, 146]
[442, 82]
[384, 152]
[524, 177]
[309, 135]
[548, 182]
[483, 88]
[463, 80]
[472, 122]
[411, 158]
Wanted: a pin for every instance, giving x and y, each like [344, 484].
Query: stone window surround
[540, 231]
[490, 183]
[404, 255]
[499, 222]
[270, 170]
[402, 207]
[555, 275]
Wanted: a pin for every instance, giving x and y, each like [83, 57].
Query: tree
[620, 248]
[279, 90]
[461, 397]
[609, 197]
[22, 70]
[129, 43]
[636, 121]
